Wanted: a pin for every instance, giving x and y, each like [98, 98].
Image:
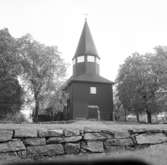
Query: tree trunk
[125, 115]
[36, 110]
[137, 117]
[149, 119]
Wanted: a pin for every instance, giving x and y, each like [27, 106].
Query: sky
[119, 27]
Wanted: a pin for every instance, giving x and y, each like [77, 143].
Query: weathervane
[85, 15]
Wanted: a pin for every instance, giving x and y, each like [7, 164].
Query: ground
[81, 124]
[155, 154]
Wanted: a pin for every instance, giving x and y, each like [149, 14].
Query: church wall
[82, 98]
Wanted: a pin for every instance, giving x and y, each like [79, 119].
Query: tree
[10, 96]
[137, 85]
[42, 65]
[11, 92]
[57, 102]
[159, 65]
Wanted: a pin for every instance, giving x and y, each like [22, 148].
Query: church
[90, 95]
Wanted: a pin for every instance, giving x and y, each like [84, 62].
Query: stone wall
[38, 144]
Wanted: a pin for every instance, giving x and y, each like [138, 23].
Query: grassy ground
[117, 126]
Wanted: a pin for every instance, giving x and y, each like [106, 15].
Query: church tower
[86, 59]
[90, 95]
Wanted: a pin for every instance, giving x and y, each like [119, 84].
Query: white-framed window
[90, 58]
[93, 90]
[80, 59]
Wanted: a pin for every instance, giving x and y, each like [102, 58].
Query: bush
[17, 118]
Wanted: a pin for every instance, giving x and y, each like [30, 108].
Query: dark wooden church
[90, 95]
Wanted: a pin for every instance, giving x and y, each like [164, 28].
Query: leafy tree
[159, 66]
[57, 102]
[10, 96]
[42, 65]
[137, 85]
[11, 92]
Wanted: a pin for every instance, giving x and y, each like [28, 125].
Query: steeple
[86, 59]
[86, 44]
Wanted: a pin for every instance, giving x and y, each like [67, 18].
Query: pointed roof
[86, 44]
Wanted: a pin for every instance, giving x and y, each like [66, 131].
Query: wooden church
[90, 95]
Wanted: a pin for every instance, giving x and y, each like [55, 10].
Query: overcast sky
[119, 27]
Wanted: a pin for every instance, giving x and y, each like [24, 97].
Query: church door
[93, 112]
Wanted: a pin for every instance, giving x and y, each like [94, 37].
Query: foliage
[137, 85]
[42, 66]
[56, 103]
[18, 117]
[11, 92]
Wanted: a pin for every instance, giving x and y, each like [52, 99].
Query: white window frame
[93, 90]
[80, 59]
[90, 58]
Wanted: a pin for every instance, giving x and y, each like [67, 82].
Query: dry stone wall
[37, 144]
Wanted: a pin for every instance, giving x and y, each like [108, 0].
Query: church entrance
[93, 112]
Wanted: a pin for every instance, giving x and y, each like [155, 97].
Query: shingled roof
[86, 44]
[87, 78]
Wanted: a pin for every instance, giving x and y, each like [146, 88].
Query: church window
[93, 90]
[80, 59]
[90, 58]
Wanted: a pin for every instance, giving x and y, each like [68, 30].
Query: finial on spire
[85, 15]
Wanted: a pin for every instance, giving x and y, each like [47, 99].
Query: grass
[116, 126]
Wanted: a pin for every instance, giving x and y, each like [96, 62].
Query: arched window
[80, 59]
[90, 58]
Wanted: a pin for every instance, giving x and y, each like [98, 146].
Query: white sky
[119, 27]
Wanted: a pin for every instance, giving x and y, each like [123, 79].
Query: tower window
[93, 90]
[90, 58]
[80, 59]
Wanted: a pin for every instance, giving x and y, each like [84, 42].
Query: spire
[86, 44]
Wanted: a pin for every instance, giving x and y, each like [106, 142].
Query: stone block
[50, 133]
[97, 136]
[46, 150]
[12, 146]
[42, 133]
[122, 134]
[19, 133]
[34, 141]
[91, 130]
[5, 135]
[72, 139]
[71, 132]
[118, 142]
[72, 148]
[151, 138]
[92, 146]
[55, 140]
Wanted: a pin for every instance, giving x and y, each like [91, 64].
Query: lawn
[117, 126]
